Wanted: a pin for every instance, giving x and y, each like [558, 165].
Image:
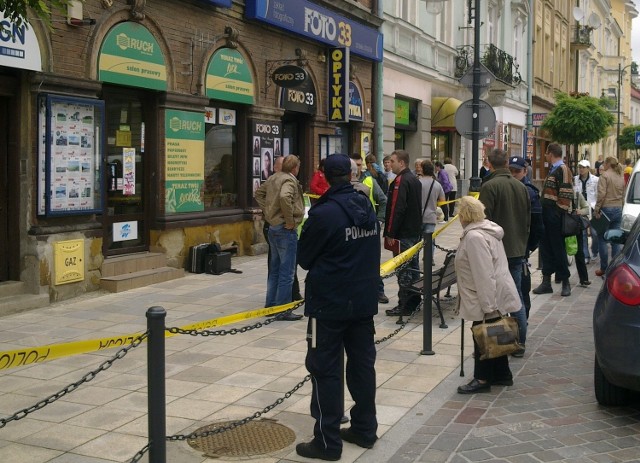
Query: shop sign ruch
[315, 22]
[130, 55]
[184, 164]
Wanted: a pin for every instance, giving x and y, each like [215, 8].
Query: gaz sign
[338, 107]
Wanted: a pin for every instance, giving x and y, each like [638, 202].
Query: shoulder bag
[497, 337]
[573, 223]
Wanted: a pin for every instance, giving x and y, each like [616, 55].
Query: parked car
[616, 322]
[631, 207]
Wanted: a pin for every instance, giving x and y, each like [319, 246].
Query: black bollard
[156, 385]
[427, 302]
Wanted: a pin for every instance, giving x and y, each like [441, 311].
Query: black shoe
[566, 288]
[310, 450]
[502, 382]
[290, 317]
[519, 353]
[397, 311]
[348, 435]
[382, 299]
[557, 280]
[584, 284]
[473, 387]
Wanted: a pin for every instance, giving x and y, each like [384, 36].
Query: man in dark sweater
[403, 222]
[557, 194]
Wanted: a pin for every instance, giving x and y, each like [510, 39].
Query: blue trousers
[515, 268]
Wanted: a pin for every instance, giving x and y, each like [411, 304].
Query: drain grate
[253, 438]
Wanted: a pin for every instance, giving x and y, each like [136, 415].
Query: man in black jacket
[340, 247]
[403, 219]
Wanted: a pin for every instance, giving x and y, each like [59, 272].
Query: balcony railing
[581, 37]
[501, 64]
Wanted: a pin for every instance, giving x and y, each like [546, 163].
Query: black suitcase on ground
[196, 263]
[218, 263]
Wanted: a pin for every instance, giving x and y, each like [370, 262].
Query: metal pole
[427, 303]
[475, 181]
[618, 125]
[156, 385]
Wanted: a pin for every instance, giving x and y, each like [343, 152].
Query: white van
[631, 207]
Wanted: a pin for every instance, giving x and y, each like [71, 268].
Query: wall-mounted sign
[537, 119]
[125, 231]
[289, 76]
[301, 99]
[184, 164]
[68, 258]
[226, 116]
[222, 3]
[130, 55]
[209, 115]
[18, 45]
[406, 112]
[321, 24]
[267, 145]
[338, 92]
[229, 77]
[355, 103]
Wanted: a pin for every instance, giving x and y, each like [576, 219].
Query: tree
[579, 119]
[627, 139]
[16, 10]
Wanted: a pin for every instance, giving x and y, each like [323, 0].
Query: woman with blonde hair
[609, 201]
[485, 288]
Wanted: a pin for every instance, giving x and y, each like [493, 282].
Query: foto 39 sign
[338, 85]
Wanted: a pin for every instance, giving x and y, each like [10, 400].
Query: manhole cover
[253, 438]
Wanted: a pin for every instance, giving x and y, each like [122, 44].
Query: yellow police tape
[31, 355]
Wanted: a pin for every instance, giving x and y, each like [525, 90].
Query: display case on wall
[71, 143]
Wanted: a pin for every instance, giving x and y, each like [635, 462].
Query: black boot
[545, 286]
[566, 288]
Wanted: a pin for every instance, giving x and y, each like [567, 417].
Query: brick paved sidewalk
[549, 414]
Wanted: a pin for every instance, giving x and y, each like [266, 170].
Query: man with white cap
[587, 184]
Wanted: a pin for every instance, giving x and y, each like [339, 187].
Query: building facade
[131, 127]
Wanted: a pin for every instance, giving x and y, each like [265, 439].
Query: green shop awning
[229, 77]
[130, 55]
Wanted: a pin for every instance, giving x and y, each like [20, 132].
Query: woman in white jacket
[485, 288]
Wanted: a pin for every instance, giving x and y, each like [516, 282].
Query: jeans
[594, 243]
[615, 217]
[283, 245]
[515, 268]
[295, 296]
[595, 239]
[406, 243]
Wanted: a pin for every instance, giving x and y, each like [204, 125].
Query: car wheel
[606, 392]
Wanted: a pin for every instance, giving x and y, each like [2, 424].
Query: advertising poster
[184, 164]
[266, 141]
[129, 171]
[69, 179]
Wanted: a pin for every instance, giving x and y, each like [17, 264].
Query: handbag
[573, 223]
[571, 245]
[497, 337]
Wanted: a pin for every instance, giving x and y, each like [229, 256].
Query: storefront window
[440, 146]
[220, 167]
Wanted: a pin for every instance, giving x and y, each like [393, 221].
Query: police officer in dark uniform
[340, 247]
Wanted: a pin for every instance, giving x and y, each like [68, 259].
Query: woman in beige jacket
[610, 201]
[485, 288]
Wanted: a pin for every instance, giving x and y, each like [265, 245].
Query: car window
[633, 193]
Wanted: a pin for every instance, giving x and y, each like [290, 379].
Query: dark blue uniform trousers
[324, 362]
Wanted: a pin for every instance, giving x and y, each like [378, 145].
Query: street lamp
[620, 72]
